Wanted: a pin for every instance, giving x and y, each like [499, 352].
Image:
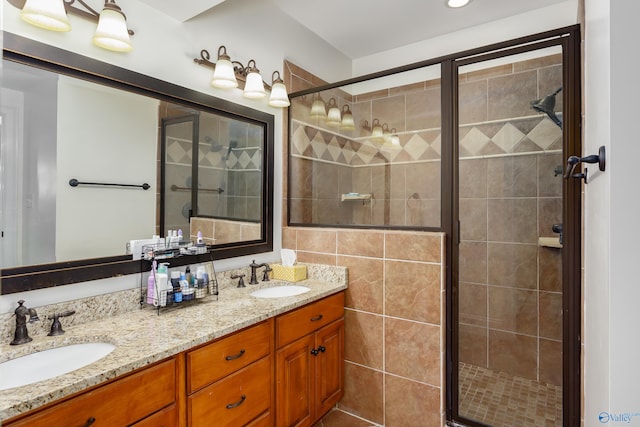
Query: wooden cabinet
[309, 361]
[230, 381]
[122, 402]
[227, 382]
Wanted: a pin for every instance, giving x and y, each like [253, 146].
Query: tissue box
[295, 273]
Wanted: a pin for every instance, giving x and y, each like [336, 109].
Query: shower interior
[510, 196]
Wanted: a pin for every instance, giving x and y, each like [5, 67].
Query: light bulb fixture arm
[89, 14]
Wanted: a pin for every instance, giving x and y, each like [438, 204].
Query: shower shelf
[550, 242]
[356, 196]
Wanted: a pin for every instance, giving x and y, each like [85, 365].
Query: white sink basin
[280, 291]
[47, 364]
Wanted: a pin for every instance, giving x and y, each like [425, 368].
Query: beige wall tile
[361, 243]
[410, 404]
[316, 258]
[513, 353]
[473, 345]
[366, 279]
[413, 246]
[363, 393]
[412, 291]
[472, 304]
[412, 350]
[364, 339]
[514, 310]
[512, 265]
[551, 362]
[317, 241]
[289, 238]
[551, 315]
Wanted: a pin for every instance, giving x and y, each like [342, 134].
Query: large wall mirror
[150, 157]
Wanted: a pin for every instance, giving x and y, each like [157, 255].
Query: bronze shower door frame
[569, 40]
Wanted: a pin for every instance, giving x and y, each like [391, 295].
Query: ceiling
[360, 28]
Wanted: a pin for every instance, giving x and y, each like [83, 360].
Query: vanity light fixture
[457, 3]
[347, 122]
[111, 33]
[333, 116]
[228, 74]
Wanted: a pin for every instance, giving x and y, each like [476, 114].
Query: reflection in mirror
[101, 124]
[219, 192]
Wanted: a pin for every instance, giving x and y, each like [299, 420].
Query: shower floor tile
[503, 400]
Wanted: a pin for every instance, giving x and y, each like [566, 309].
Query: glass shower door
[509, 317]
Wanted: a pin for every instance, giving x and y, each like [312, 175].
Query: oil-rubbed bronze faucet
[254, 278]
[56, 326]
[21, 335]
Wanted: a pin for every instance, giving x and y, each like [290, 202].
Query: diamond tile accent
[416, 146]
[545, 134]
[508, 137]
[474, 141]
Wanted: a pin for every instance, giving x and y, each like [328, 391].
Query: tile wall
[510, 195]
[394, 339]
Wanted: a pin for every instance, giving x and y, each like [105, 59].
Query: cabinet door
[329, 366]
[294, 387]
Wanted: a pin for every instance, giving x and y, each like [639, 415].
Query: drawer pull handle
[322, 348]
[318, 317]
[235, 356]
[314, 351]
[89, 422]
[238, 403]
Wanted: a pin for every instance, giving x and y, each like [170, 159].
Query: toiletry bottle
[179, 236]
[162, 279]
[201, 286]
[187, 273]
[151, 285]
[199, 240]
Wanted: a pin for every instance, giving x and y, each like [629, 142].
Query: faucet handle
[240, 281]
[267, 270]
[56, 326]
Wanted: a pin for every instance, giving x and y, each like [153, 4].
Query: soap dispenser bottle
[162, 282]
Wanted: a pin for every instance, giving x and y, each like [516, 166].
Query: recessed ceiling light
[457, 3]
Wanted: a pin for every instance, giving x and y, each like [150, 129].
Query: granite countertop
[143, 337]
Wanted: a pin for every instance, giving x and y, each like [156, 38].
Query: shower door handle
[557, 228]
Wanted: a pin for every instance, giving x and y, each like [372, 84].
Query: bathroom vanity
[237, 361]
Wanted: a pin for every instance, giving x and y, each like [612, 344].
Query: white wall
[611, 284]
[114, 141]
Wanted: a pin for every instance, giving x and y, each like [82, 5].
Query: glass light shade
[254, 87]
[395, 140]
[318, 109]
[333, 117]
[279, 96]
[112, 32]
[347, 122]
[376, 132]
[48, 14]
[224, 76]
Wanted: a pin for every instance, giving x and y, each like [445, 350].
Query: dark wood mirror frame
[32, 277]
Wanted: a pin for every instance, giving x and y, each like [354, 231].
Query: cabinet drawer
[119, 403]
[300, 322]
[220, 358]
[264, 420]
[168, 417]
[234, 400]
